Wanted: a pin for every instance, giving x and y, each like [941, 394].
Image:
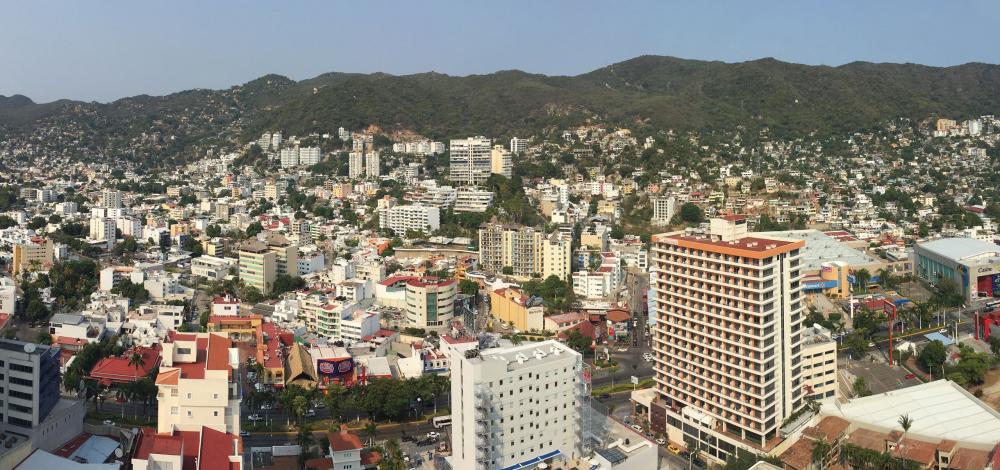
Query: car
[943, 331]
[108, 422]
[674, 449]
[661, 441]
[309, 413]
[623, 349]
[255, 418]
[244, 433]
[265, 406]
[636, 427]
[911, 376]
[433, 435]
[871, 344]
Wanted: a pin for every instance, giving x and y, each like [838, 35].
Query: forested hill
[662, 92]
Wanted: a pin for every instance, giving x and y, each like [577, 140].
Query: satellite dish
[29, 347]
[119, 453]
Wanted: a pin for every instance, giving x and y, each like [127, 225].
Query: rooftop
[939, 409]
[821, 247]
[752, 246]
[960, 248]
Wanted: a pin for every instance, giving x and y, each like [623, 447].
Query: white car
[433, 435]
[943, 331]
[661, 441]
[636, 427]
[255, 418]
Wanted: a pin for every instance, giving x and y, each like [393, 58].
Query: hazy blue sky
[102, 50]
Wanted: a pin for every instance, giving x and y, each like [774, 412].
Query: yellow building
[258, 266]
[511, 306]
[524, 252]
[36, 254]
[286, 254]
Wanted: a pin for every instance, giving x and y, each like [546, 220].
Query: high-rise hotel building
[728, 336]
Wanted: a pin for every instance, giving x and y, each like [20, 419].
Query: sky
[108, 49]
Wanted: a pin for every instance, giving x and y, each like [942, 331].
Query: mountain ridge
[659, 91]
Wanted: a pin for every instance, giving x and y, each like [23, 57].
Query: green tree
[932, 356]
[468, 287]
[860, 387]
[691, 213]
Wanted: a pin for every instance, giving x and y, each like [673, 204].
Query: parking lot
[879, 377]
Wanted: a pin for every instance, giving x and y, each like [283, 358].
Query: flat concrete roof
[940, 410]
[959, 249]
[821, 248]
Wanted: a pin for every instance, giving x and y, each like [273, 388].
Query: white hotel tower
[516, 405]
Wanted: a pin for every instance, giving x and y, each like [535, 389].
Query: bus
[441, 421]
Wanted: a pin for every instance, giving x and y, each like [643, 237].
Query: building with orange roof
[196, 382]
[241, 328]
[728, 310]
[203, 448]
[346, 452]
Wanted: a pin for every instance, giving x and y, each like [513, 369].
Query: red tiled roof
[370, 457]
[117, 369]
[450, 340]
[216, 447]
[152, 443]
[618, 315]
[344, 440]
[321, 463]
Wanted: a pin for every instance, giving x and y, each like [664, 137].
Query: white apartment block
[514, 405]
[470, 160]
[355, 165]
[664, 208]
[372, 165]
[819, 363]
[592, 285]
[727, 339]
[518, 145]
[470, 199]
[412, 217]
[197, 385]
[111, 199]
[420, 147]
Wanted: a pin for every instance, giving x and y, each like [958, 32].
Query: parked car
[244, 433]
[661, 441]
[636, 427]
[433, 435]
[943, 331]
[108, 422]
[255, 418]
[674, 449]
[309, 413]
[910, 376]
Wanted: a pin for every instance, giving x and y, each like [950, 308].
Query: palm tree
[304, 437]
[392, 459]
[820, 451]
[862, 276]
[299, 406]
[905, 422]
[370, 429]
[136, 360]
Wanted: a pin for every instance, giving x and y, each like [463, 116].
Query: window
[173, 410]
[189, 413]
[22, 368]
[183, 350]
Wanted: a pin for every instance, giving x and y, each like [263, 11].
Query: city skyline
[112, 52]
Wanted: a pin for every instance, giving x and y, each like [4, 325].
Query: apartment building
[664, 208]
[728, 336]
[471, 160]
[36, 254]
[30, 404]
[372, 165]
[524, 251]
[355, 165]
[415, 217]
[472, 200]
[286, 254]
[518, 405]
[501, 162]
[30, 382]
[197, 384]
[819, 363]
[518, 145]
[258, 266]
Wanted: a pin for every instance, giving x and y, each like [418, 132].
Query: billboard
[334, 368]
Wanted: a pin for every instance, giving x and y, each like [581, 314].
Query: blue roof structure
[935, 336]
